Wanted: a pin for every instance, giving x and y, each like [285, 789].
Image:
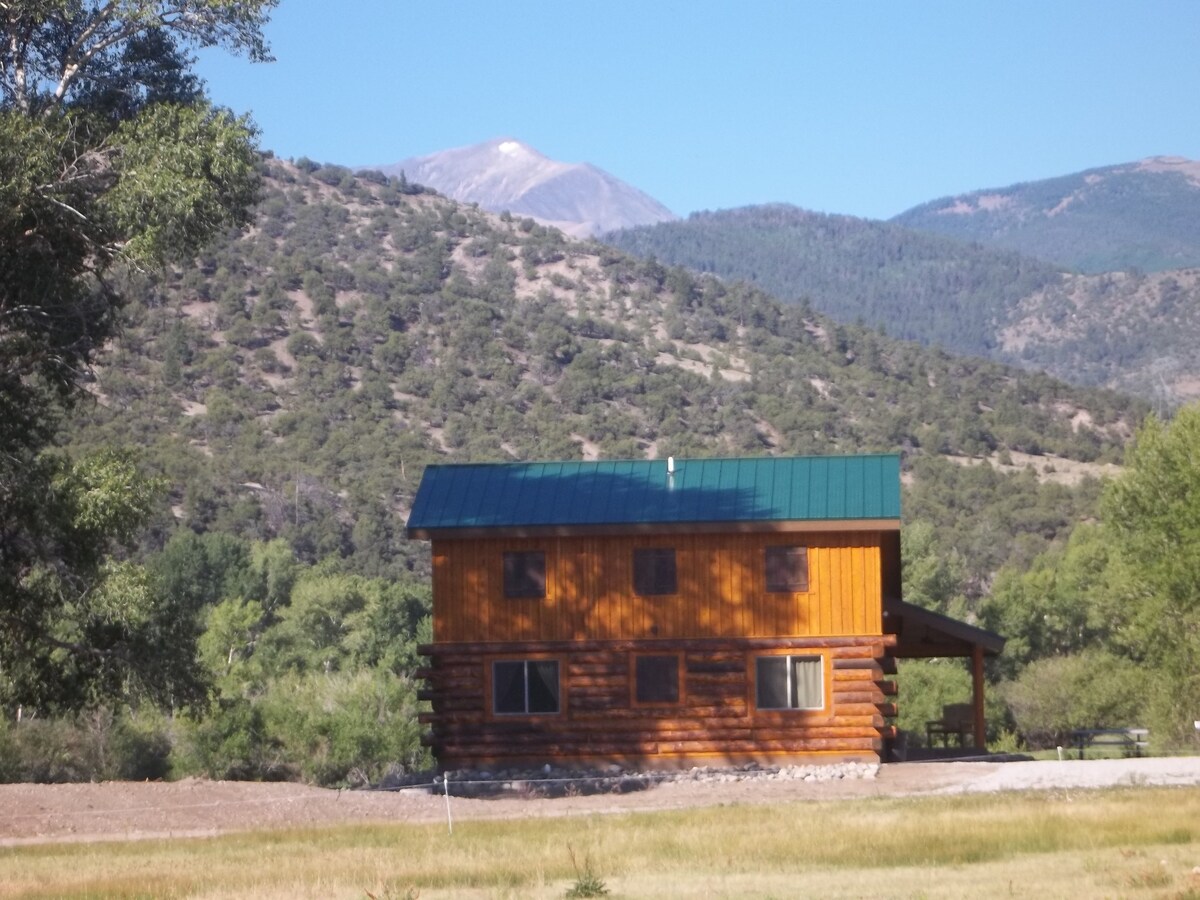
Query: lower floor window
[789, 682]
[525, 686]
[656, 679]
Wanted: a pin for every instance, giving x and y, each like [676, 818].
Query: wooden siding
[721, 589]
[715, 721]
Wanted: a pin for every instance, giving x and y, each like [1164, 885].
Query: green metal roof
[641, 492]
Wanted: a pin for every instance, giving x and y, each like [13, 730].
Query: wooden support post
[977, 695]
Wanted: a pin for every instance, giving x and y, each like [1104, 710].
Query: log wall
[715, 722]
[721, 589]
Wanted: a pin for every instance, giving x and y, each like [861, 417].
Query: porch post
[977, 695]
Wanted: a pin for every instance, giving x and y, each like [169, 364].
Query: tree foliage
[1153, 516]
[1111, 219]
[79, 623]
[969, 291]
[312, 667]
[1127, 588]
[1055, 695]
[110, 158]
[919, 286]
[109, 153]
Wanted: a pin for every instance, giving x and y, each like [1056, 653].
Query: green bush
[335, 729]
[1090, 689]
[99, 745]
[231, 741]
[346, 728]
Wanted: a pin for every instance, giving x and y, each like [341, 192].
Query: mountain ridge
[1142, 215]
[1132, 331]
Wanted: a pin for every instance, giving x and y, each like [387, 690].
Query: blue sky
[864, 108]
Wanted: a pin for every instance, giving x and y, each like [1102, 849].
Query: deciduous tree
[1153, 514]
[110, 157]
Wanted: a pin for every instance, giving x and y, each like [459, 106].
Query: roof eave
[619, 528]
[954, 635]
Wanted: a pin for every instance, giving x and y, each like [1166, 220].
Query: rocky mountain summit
[507, 175]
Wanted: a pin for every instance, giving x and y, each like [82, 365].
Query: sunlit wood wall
[721, 589]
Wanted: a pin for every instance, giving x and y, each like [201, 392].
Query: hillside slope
[919, 287]
[295, 381]
[1126, 331]
[1132, 332]
[1143, 215]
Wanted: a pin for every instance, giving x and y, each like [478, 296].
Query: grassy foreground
[1140, 842]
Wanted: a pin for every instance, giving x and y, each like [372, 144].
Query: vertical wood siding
[721, 589]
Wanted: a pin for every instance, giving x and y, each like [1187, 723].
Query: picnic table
[1131, 740]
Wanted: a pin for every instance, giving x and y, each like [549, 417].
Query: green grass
[1109, 843]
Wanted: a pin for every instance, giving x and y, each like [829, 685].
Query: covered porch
[923, 634]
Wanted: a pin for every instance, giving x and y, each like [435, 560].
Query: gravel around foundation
[33, 813]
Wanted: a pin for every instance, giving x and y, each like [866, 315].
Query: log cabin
[665, 612]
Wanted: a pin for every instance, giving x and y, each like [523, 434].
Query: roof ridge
[678, 460]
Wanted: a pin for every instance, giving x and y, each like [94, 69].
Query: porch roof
[922, 633]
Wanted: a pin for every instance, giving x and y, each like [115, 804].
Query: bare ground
[36, 813]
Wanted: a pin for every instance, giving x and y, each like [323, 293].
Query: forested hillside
[296, 380]
[288, 388]
[1143, 215]
[920, 287]
[1130, 331]
[1124, 330]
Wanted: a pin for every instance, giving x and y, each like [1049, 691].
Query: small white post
[446, 787]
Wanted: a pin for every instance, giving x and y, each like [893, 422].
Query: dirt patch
[1057, 469]
[34, 813]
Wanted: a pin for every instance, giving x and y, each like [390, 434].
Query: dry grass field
[1115, 842]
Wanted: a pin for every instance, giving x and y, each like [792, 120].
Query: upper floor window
[787, 569]
[525, 573]
[654, 571]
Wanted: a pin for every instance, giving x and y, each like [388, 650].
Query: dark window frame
[532, 703]
[786, 568]
[637, 662]
[524, 574]
[655, 572]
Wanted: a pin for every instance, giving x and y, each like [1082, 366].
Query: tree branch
[72, 64]
[18, 43]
